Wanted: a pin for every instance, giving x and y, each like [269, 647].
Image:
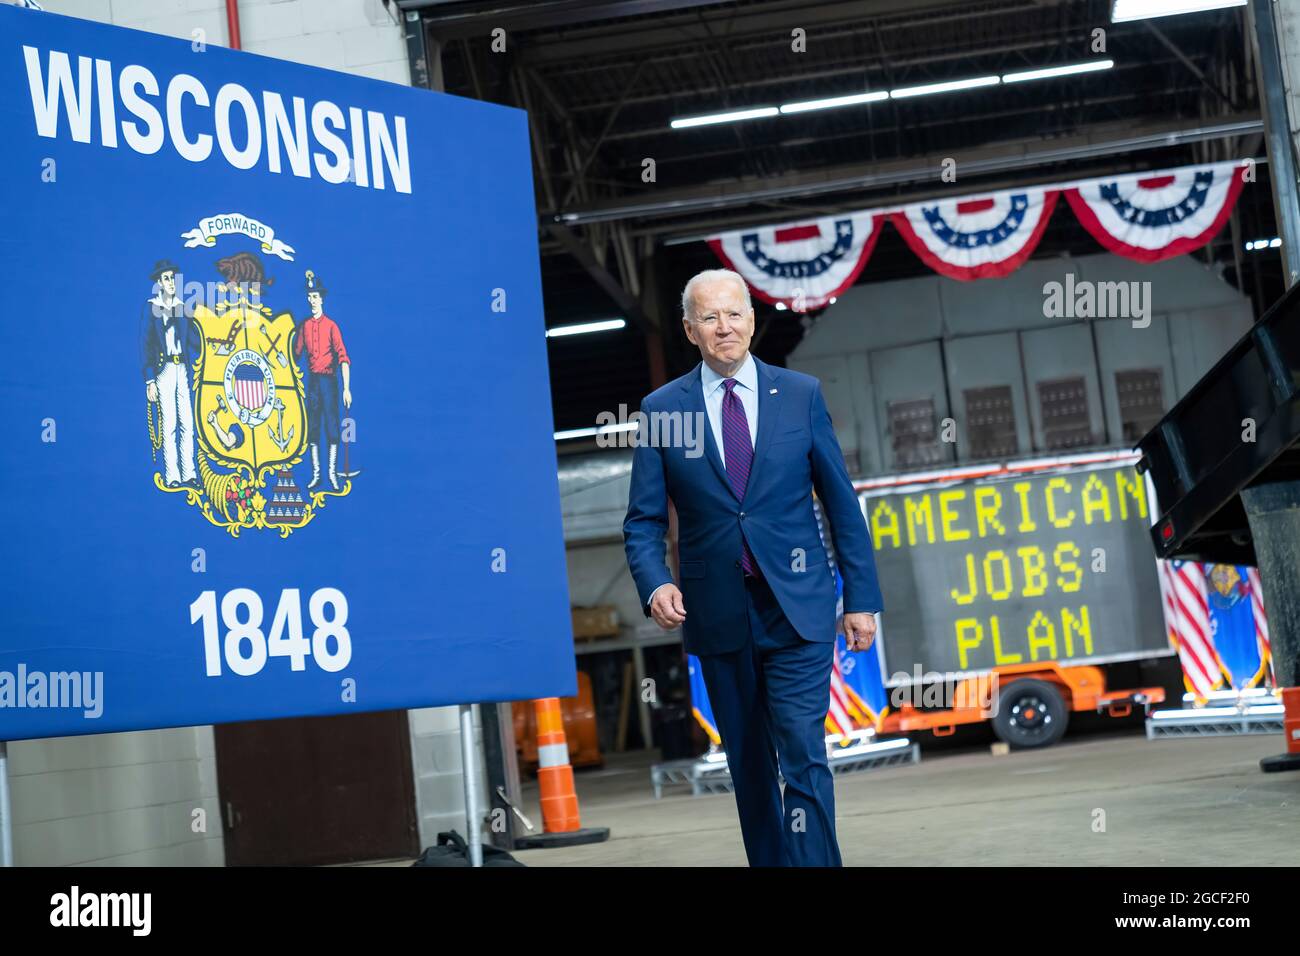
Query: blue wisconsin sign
[273, 390]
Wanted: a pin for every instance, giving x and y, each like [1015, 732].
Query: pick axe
[275, 344]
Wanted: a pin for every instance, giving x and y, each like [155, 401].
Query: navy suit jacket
[795, 452]
[153, 338]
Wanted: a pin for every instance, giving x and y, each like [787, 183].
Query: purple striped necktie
[739, 458]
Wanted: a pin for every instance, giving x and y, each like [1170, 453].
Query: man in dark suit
[757, 597]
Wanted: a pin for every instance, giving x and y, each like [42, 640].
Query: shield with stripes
[249, 377]
[251, 384]
[249, 387]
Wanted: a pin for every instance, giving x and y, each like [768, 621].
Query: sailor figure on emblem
[170, 345]
[327, 361]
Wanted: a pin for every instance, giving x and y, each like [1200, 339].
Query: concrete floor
[1167, 803]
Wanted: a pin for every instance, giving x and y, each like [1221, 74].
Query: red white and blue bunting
[1149, 218]
[984, 238]
[1146, 217]
[803, 265]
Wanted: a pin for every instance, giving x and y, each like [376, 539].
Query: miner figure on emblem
[327, 361]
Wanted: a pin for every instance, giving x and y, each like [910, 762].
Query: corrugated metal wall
[897, 358]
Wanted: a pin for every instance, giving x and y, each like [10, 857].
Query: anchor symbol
[277, 434]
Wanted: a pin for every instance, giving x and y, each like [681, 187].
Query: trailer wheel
[1031, 713]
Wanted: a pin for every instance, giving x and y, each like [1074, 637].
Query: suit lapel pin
[772, 391]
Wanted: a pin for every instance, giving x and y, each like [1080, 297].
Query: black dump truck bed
[1237, 427]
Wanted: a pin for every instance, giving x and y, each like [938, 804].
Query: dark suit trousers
[770, 700]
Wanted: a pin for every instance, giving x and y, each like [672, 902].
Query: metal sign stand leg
[473, 803]
[6, 810]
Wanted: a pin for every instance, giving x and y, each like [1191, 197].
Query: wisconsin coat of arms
[238, 394]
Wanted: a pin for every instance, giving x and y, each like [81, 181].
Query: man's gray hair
[712, 275]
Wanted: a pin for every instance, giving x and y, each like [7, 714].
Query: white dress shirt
[746, 390]
[714, 392]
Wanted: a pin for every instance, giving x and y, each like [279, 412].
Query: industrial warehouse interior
[786, 434]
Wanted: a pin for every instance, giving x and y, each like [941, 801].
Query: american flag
[1261, 621]
[1187, 616]
[838, 715]
[250, 386]
[847, 711]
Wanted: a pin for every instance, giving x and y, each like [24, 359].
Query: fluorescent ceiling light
[592, 432]
[874, 96]
[949, 87]
[835, 101]
[732, 117]
[1090, 67]
[575, 433]
[1125, 10]
[581, 328]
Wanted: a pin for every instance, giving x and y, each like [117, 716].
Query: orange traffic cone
[560, 817]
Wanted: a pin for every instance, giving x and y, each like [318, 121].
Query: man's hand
[347, 398]
[151, 391]
[667, 608]
[859, 630]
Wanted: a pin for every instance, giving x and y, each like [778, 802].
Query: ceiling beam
[846, 66]
[1109, 96]
[767, 22]
[626, 302]
[1013, 155]
[454, 20]
[679, 232]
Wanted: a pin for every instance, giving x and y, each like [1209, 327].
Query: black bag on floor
[452, 850]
